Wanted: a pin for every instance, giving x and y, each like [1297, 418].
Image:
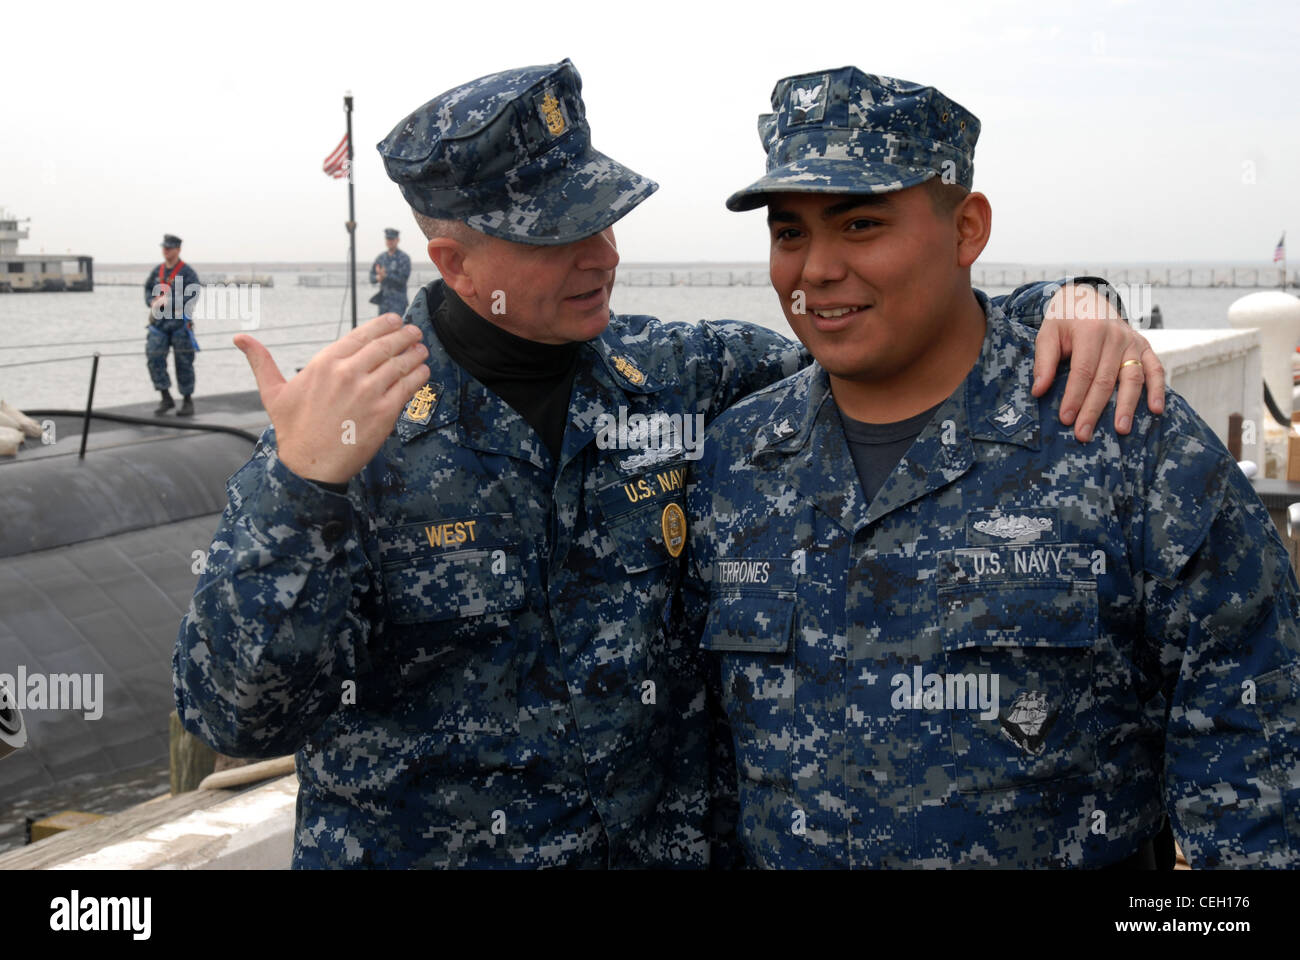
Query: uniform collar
[621, 368]
[992, 404]
[1001, 405]
[997, 393]
[614, 366]
[625, 360]
[444, 382]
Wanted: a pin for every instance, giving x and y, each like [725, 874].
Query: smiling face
[882, 277]
[549, 294]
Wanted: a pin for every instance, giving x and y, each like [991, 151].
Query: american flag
[1280, 252]
[336, 164]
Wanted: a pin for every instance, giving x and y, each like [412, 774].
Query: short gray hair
[433, 228]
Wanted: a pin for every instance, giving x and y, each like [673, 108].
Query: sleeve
[1220, 609]
[1028, 302]
[732, 359]
[725, 852]
[282, 613]
[373, 277]
[149, 282]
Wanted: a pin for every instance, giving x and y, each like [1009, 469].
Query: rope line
[141, 353]
[205, 332]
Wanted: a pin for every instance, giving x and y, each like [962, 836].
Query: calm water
[88, 793]
[46, 338]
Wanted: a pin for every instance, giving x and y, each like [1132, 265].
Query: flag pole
[352, 215]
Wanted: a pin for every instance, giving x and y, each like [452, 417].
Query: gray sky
[1112, 131]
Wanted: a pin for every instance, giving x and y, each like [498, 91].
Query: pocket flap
[645, 516]
[447, 588]
[1053, 616]
[749, 621]
[449, 569]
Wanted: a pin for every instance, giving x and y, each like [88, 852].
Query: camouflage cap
[510, 155]
[170, 240]
[390, 233]
[845, 131]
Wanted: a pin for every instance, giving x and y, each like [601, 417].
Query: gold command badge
[624, 366]
[551, 111]
[421, 404]
[674, 523]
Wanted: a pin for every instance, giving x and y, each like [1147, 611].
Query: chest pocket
[449, 569]
[1037, 642]
[753, 628]
[457, 573]
[645, 516]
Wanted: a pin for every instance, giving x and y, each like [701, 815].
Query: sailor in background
[170, 290]
[391, 270]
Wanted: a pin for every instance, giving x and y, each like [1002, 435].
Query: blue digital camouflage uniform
[520, 698]
[171, 327]
[1021, 652]
[513, 131]
[845, 131]
[392, 289]
[500, 625]
[1131, 596]
[476, 653]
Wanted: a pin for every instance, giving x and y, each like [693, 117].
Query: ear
[448, 256]
[973, 219]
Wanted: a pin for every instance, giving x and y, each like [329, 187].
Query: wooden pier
[1246, 278]
[206, 279]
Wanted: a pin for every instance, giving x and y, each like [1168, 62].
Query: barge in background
[37, 272]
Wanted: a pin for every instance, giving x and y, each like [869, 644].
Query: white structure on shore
[25, 273]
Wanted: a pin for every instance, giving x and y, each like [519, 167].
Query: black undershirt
[534, 378]
[877, 448]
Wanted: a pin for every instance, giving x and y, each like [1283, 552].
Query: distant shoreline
[245, 266]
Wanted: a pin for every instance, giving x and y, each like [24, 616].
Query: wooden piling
[191, 758]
